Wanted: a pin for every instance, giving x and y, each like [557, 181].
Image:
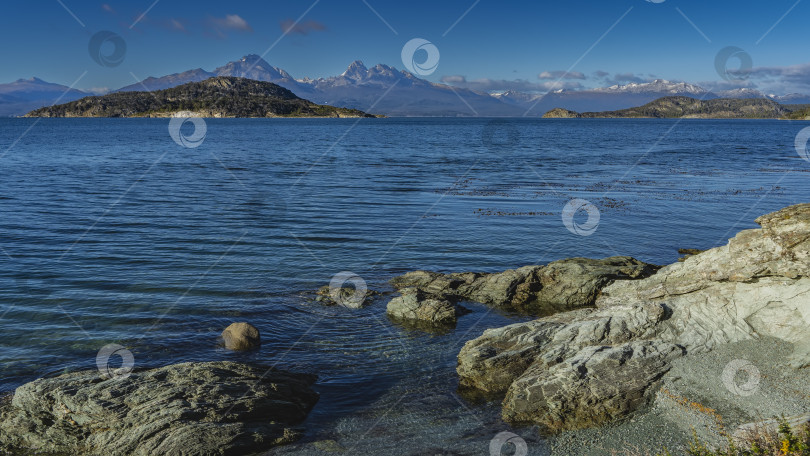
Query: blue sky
[496, 45]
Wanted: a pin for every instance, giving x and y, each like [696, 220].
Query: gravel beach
[695, 396]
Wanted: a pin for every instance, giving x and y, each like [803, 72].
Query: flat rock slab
[594, 387]
[213, 408]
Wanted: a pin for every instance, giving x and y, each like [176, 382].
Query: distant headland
[221, 96]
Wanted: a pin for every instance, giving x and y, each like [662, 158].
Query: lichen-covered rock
[589, 366]
[183, 409]
[241, 336]
[577, 282]
[538, 290]
[415, 305]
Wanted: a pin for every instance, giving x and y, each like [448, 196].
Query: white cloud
[98, 90]
[231, 22]
[500, 85]
[301, 28]
[778, 80]
[177, 25]
[561, 75]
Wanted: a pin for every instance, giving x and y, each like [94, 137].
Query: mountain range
[383, 89]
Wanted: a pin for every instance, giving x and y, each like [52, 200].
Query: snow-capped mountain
[515, 97]
[24, 95]
[603, 99]
[400, 93]
[741, 93]
[356, 71]
[381, 89]
[254, 67]
[656, 86]
[791, 98]
[250, 66]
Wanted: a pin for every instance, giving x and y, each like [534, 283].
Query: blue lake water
[113, 233]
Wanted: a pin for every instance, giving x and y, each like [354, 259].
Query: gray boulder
[494, 361]
[595, 386]
[209, 408]
[416, 305]
[241, 336]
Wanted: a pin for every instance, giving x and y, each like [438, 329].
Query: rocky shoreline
[618, 349]
[593, 366]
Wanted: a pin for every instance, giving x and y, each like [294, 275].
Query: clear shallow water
[112, 233]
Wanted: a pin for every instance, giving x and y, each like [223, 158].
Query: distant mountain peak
[253, 66]
[357, 64]
[742, 92]
[356, 70]
[31, 79]
[253, 60]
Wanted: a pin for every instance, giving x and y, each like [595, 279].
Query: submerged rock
[241, 336]
[345, 296]
[687, 253]
[538, 290]
[417, 305]
[589, 366]
[190, 409]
